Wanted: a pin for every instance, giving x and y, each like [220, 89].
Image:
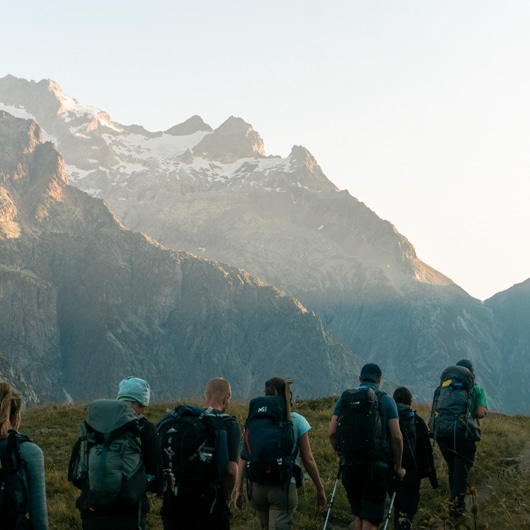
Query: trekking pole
[389, 514]
[332, 497]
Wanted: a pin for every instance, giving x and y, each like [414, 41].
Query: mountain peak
[190, 126]
[53, 87]
[232, 140]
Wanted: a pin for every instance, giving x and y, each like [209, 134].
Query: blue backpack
[268, 443]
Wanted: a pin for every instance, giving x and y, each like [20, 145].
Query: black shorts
[366, 486]
[189, 512]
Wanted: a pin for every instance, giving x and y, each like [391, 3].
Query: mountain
[87, 301]
[511, 310]
[216, 194]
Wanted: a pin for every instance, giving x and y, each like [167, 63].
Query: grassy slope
[500, 476]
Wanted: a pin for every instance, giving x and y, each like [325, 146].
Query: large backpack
[268, 441]
[359, 436]
[106, 461]
[13, 516]
[407, 425]
[194, 447]
[450, 414]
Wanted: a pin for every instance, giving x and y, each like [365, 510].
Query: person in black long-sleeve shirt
[123, 516]
[419, 465]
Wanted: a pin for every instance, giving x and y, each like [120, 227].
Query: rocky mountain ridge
[216, 194]
[87, 301]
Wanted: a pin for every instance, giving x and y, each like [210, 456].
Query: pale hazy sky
[421, 109]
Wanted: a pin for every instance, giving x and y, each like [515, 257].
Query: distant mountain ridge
[87, 302]
[216, 194]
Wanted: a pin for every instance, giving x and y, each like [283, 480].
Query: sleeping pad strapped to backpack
[106, 460]
[194, 447]
[451, 415]
[268, 442]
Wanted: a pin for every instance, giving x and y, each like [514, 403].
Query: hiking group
[195, 456]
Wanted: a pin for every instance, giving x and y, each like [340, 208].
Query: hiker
[23, 491]
[275, 500]
[128, 511]
[458, 447]
[367, 459]
[417, 460]
[194, 506]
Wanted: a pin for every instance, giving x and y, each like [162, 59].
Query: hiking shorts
[114, 522]
[366, 487]
[274, 505]
[192, 512]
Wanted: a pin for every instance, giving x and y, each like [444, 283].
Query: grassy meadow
[500, 478]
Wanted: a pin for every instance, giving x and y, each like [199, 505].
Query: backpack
[268, 441]
[450, 414]
[194, 447]
[106, 460]
[359, 436]
[13, 516]
[407, 425]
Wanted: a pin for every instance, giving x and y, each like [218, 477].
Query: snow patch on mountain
[21, 112]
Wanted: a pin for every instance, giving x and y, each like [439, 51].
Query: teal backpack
[450, 414]
[106, 461]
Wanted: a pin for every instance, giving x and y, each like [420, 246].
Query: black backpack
[194, 447]
[407, 425]
[359, 436]
[13, 516]
[268, 442]
[106, 461]
[450, 414]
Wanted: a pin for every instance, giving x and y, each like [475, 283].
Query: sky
[419, 108]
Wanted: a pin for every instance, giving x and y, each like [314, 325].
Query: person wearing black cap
[366, 482]
[479, 401]
[418, 460]
[458, 453]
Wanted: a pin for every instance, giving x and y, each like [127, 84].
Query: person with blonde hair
[23, 493]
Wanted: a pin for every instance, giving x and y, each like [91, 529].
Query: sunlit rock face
[217, 194]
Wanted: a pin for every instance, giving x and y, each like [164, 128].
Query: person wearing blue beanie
[135, 390]
[127, 516]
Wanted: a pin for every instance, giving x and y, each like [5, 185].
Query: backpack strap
[12, 459]
[14, 441]
[106, 439]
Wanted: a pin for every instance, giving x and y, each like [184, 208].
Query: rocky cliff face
[87, 302]
[511, 310]
[215, 194]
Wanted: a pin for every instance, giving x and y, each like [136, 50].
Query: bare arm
[229, 480]
[240, 501]
[480, 412]
[311, 467]
[332, 430]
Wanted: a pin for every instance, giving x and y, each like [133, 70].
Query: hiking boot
[458, 519]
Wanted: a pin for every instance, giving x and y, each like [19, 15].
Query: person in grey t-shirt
[30, 489]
